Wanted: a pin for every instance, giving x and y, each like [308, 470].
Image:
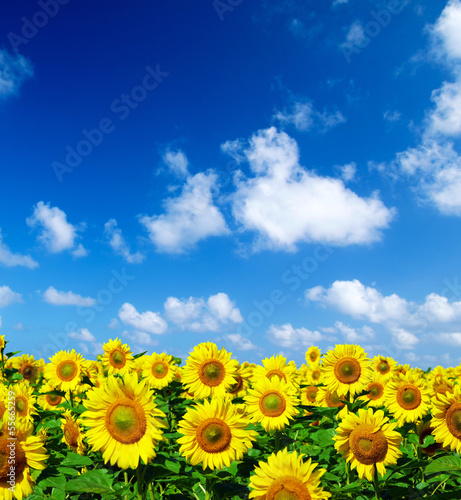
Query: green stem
[277, 441]
[139, 481]
[151, 492]
[209, 489]
[376, 482]
[125, 475]
[71, 398]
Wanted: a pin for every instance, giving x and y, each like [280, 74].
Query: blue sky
[264, 176]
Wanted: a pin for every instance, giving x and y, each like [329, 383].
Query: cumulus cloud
[7, 296]
[240, 343]
[140, 339]
[14, 70]
[285, 204]
[10, 259]
[354, 335]
[148, 322]
[177, 162]
[58, 298]
[118, 244]
[55, 233]
[303, 116]
[188, 218]
[288, 337]
[348, 171]
[83, 334]
[446, 33]
[199, 315]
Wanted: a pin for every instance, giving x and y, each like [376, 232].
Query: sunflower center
[453, 419]
[27, 371]
[213, 435]
[409, 397]
[126, 421]
[313, 356]
[272, 404]
[237, 386]
[367, 446]
[71, 434]
[212, 373]
[311, 393]
[276, 373]
[384, 367]
[2, 409]
[347, 370]
[316, 375]
[67, 370]
[288, 488]
[21, 406]
[376, 391]
[159, 370]
[9, 449]
[117, 358]
[53, 399]
[333, 400]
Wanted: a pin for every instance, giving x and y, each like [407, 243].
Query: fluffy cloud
[188, 218]
[7, 296]
[14, 69]
[140, 339]
[117, 242]
[84, 334]
[303, 117]
[445, 118]
[355, 36]
[288, 337]
[240, 343]
[10, 259]
[286, 204]
[353, 335]
[446, 33]
[58, 298]
[177, 162]
[55, 233]
[150, 322]
[200, 315]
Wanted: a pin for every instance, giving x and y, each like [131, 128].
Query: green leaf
[76, 460]
[413, 439]
[173, 466]
[450, 463]
[17, 376]
[428, 440]
[93, 481]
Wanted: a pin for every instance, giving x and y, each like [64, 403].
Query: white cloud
[348, 171]
[392, 116]
[18, 327]
[56, 234]
[13, 71]
[288, 337]
[113, 324]
[355, 36]
[141, 339]
[286, 204]
[150, 322]
[10, 259]
[445, 118]
[188, 218]
[118, 244]
[446, 32]
[453, 338]
[303, 117]
[197, 315]
[354, 336]
[83, 348]
[240, 343]
[177, 162]
[7, 296]
[84, 334]
[58, 298]
[404, 339]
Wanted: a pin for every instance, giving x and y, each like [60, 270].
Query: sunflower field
[341, 426]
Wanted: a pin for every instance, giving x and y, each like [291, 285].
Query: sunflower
[272, 402]
[375, 391]
[49, 401]
[368, 441]
[24, 400]
[446, 419]
[313, 375]
[331, 399]
[286, 476]
[124, 421]
[240, 388]
[2, 342]
[65, 370]
[384, 366]
[72, 433]
[158, 370]
[26, 366]
[313, 355]
[117, 357]
[309, 395]
[346, 369]
[407, 398]
[29, 453]
[214, 434]
[209, 372]
[277, 367]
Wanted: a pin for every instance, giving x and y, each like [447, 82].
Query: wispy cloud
[7, 296]
[118, 244]
[14, 70]
[59, 298]
[10, 259]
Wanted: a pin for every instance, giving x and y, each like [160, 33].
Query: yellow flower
[244, 374]
[49, 401]
[309, 395]
[72, 433]
[123, 420]
[276, 367]
[346, 369]
[446, 419]
[368, 442]
[384, 366]
[29, 453]
[330, 399]
[158, 370]
[26, 366]
[24, 400]
[272, 402]
[214, 434]
[286, 477]
[209, 372]
[375, 390]
[117, 357]
[313, 355]
[2, 342]
[64, 370]
[407, 397]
